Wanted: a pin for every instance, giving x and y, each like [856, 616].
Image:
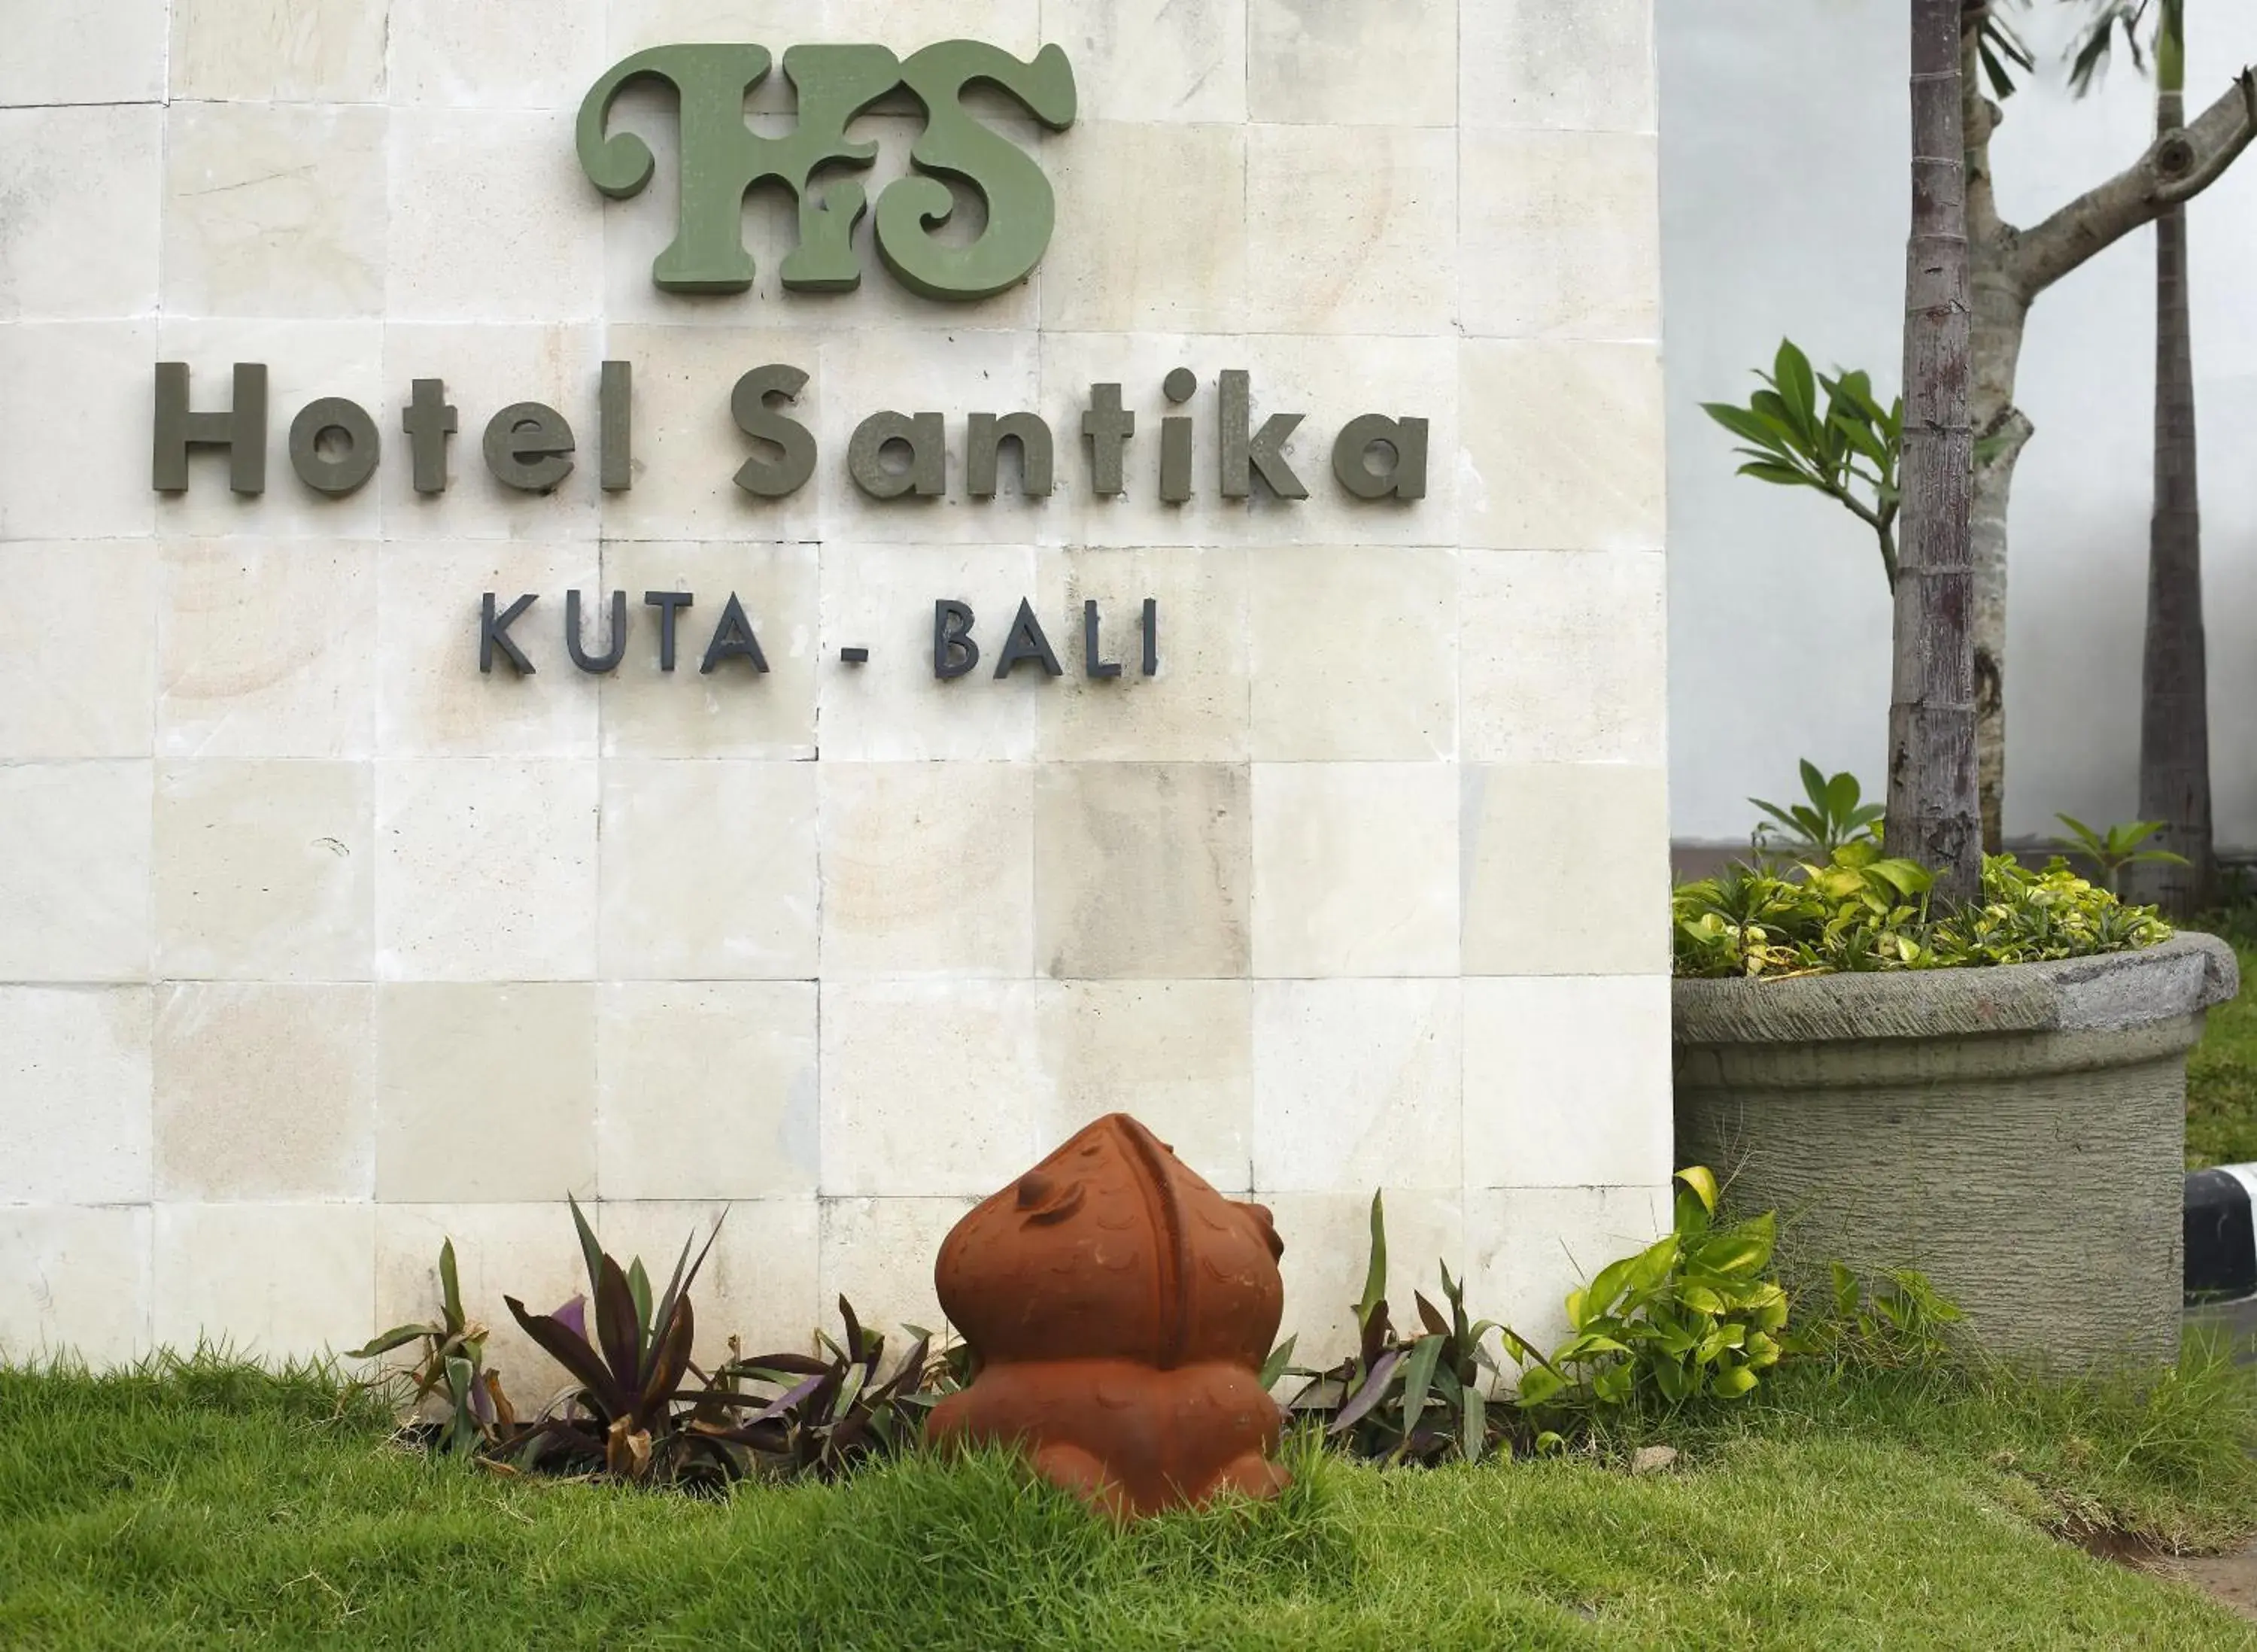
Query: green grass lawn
[2222, 1073]
[214, 1505]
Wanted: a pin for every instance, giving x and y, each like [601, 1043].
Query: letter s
[748, 405]
[1020, 207]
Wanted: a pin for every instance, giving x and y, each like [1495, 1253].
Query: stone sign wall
[341, 910]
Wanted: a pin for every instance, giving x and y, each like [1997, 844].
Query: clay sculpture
[1121, 1309]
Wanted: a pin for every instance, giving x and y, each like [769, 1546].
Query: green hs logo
[721, 158]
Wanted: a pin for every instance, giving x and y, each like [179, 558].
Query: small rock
[1651, 1460]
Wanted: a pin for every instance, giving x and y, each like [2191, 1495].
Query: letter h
[241, 430]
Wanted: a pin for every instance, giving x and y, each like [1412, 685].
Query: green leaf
[638, 1290]
[1418, 1377]
[1375, 1273]
[451, 1290]
[1473, 1423]
[1772, 410]
[591, 1252]
[1778, 475]
[1650, 1266]
[1703, 1180]
[685, 1272]
[1671, 1379]
[1844, 1290]
[384, 1342]
[1782, 816]
[1797, 387]
[1732, 1380]
[1539, 1385]
[1740, 1249]
[1608, 1286]
[1857, 388]
[1859, 435]
[1273, 1367]
[1578, 1302]
[1749, 427]
[1907, 878]
[1585, 1345]
[2085, 838]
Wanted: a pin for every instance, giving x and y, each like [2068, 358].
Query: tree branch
[2177, 166]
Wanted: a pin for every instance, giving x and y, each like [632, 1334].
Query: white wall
[315, 944]
[1784, 201]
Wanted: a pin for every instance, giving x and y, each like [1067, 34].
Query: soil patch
[2230, 1578]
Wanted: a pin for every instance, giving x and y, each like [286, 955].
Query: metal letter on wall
[721, 158]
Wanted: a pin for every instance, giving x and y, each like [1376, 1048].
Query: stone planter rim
[2110, 992]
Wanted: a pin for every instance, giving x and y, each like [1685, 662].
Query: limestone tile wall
[316, 945]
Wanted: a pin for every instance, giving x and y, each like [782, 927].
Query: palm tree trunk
[1932, 812]
[2174, 702]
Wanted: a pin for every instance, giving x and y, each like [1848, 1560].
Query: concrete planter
[2017, 1133]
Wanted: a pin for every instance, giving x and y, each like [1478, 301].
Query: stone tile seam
[169, 100]
[825, 330]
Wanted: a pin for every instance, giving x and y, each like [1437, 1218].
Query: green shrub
[1691, 1317]
[2116, 847]
[1861, 910]
[1835, 814]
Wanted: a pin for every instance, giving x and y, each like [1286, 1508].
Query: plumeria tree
[1822, 444]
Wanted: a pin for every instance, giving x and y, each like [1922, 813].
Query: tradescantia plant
[622, 1418]
[473, 1409]
[822, 1415]
[1422, 1400]
[640, 1409]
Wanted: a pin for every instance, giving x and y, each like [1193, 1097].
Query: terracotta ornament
[1121, 1309]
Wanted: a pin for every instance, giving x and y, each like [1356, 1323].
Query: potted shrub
[1995, 1095]
[1970, 1068]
